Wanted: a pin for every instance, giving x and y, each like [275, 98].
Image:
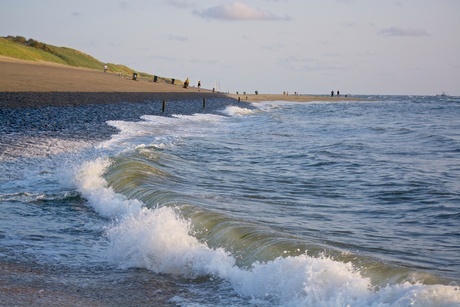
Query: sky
[390, 47]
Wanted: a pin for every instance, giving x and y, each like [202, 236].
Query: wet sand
[33, 286]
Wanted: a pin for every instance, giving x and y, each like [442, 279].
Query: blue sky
[307, 46]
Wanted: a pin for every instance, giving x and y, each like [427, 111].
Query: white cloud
[237, 11]
[396, 31]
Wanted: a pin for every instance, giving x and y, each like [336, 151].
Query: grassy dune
[14, 50]
[29, 49]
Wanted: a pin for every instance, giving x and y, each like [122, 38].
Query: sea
[323, 203]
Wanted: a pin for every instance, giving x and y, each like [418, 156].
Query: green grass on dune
[76, 58]
[18, 51]
[20, 48]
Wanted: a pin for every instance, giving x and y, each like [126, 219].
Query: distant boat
[443, 94]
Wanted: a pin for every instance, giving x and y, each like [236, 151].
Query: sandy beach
[34, 84]
[29, 84]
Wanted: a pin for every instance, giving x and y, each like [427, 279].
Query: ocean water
[340, 203]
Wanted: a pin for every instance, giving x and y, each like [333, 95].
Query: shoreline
[294, 98]
[37, 84]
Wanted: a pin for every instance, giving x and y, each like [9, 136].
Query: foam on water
[14, 147]
[104, 200]
[40, 167]
[160, 240]
[158, 131]
[237, 111]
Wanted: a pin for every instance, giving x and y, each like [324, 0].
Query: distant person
[199, 85]
[332, 93]
[186, 83]
[105, 68]
[338, 93]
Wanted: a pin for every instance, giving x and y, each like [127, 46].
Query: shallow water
[289, 204]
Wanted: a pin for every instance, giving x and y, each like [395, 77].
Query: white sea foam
[14, 147]
[160, 240]
[210, 118]
[237, 111]
[158, 131]
[105, 201]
